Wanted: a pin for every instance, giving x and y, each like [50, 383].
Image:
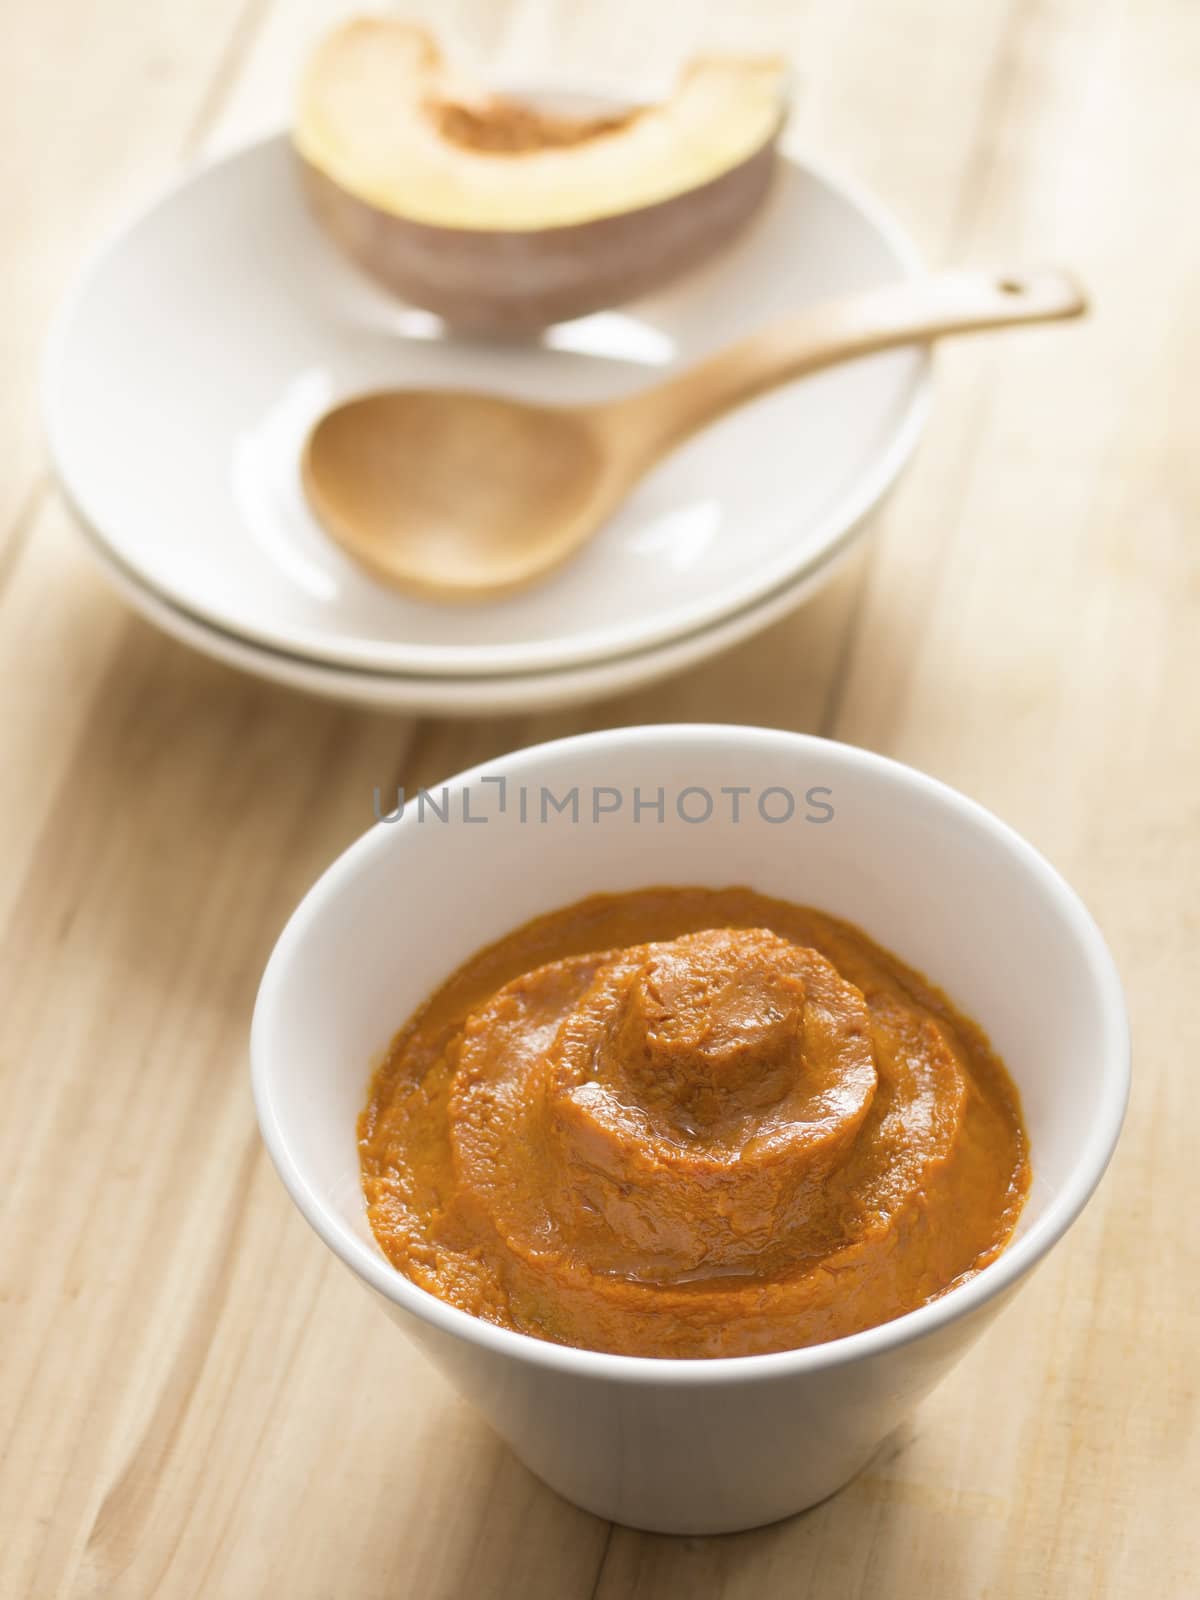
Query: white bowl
[206, 337]
[693, 1446]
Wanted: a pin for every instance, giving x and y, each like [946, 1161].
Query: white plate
[201, 343]
[461, 697]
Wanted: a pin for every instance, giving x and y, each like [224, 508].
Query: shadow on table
[882, 1534]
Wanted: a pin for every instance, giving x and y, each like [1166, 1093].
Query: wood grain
[194, 1398]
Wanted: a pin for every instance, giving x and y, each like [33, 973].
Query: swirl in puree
[689, 1122]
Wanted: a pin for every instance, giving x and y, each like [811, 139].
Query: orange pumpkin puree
[690, 1122]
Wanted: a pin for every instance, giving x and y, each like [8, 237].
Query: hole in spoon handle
[1048, 292]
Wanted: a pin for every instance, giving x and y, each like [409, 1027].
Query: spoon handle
[654, 420]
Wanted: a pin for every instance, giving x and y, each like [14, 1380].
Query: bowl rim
[368, 1262]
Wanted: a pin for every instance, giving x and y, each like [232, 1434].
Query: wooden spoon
[455, 495]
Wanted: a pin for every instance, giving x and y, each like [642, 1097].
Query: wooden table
[196, 1401]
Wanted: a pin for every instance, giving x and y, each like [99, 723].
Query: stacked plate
[204, 340]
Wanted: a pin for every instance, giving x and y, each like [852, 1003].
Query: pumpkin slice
[504, 214]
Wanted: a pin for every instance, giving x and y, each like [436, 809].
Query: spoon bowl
[450, 493]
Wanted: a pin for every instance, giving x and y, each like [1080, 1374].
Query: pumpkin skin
[490, 281]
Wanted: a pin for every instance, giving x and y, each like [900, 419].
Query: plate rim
[459, 696]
